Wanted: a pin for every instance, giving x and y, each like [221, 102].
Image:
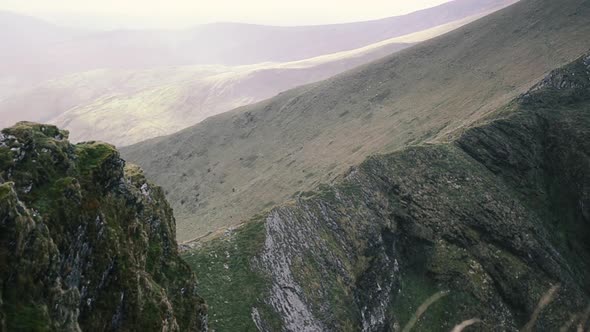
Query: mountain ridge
[495, 221]
[224, 41]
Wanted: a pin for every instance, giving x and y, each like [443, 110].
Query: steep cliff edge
[492, 220]
[86, 243]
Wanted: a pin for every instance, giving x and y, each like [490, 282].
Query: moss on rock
[78, 241]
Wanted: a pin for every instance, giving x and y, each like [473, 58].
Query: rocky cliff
[86, 243]
[494, 224]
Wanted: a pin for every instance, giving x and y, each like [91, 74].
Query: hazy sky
[178, 13]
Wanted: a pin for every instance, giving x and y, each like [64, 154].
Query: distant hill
[493, 225]
[20, 33]
[222, 43]
[24, 38]
[128, 106]
[238, 44]
[233, 165]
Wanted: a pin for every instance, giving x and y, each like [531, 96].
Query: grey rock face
[286, 292]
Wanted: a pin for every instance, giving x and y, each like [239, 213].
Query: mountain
[126, 104]
[86, 243]
[32, 33]
[125, 107]
[239, 44]
[232, 166]
[23, 37]
[225, 43]
[489, 228]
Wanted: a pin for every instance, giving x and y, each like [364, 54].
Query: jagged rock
[84, 245]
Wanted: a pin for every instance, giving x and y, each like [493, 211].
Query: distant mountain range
[68, 51]
[128, 106]
[128, 86]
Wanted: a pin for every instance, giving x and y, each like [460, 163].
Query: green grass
[5, 189]
[46, 197]
[6, 158]
[229, 282]
[93, 155]
[27, 318]
[416, 288]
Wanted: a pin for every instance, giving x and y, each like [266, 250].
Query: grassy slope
[231, 166]
[128, 106]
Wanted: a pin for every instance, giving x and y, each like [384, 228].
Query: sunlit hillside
[128, 106]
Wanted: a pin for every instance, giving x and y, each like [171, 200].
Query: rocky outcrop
[490, 222]
[86, 243]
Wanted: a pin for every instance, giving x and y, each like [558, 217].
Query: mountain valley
[423, 172]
